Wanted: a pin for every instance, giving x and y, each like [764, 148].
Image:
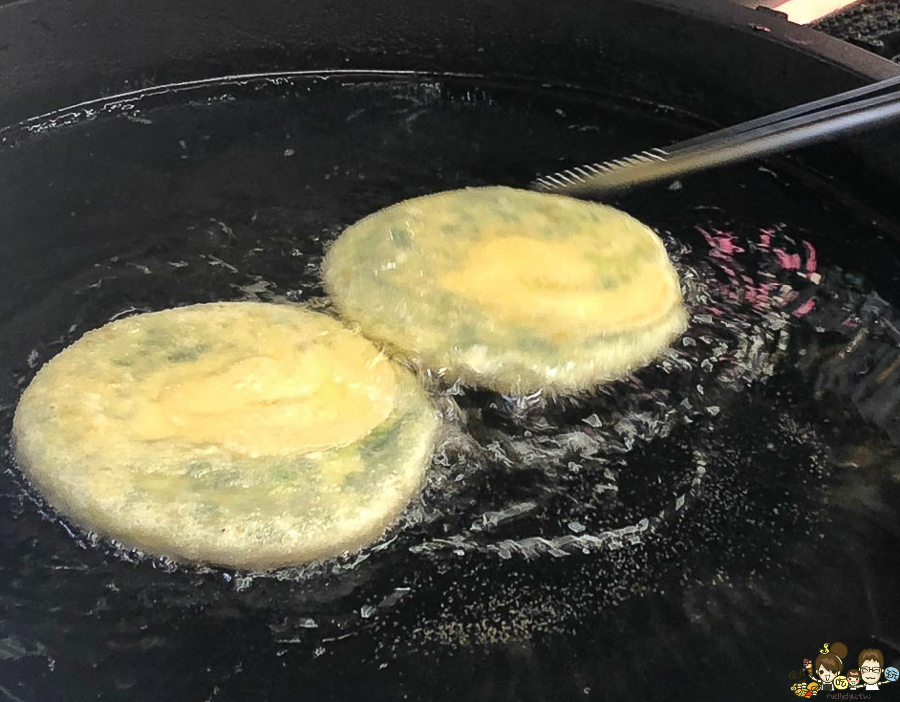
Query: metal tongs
[819, 120]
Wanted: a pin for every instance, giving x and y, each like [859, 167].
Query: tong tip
[597, 176]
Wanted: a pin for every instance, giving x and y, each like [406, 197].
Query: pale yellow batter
[509, 289]
[245, 434]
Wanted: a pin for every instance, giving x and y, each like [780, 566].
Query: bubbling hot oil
[577, 455]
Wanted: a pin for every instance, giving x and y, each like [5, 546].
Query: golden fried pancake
[245, 434]
[508, 289]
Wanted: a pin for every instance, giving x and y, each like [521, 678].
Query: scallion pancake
[507, 289]
[246, 434]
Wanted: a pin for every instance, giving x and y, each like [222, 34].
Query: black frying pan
[695, 530]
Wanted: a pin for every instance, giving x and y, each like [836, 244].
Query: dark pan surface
[683, 532]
